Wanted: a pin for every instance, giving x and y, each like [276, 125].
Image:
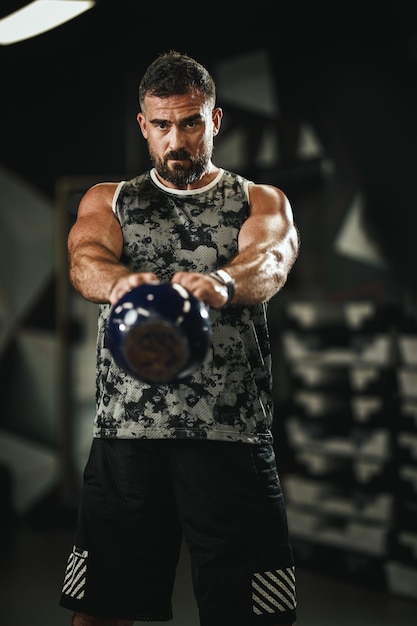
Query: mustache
[177, 155]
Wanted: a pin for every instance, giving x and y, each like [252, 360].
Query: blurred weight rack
[351, 427]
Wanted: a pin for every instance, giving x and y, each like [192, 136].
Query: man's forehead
[181, 105]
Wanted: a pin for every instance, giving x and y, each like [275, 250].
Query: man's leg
[81, 619]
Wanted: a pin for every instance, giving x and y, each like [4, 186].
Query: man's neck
[204, 180]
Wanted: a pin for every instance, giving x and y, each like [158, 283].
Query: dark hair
[173, 73]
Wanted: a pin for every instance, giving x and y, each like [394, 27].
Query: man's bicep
[270, 217]
[263, 231]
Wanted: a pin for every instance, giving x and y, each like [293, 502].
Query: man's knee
[82, 619]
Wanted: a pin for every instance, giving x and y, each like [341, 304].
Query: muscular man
[193, 459]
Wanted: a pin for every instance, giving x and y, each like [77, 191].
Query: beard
[181, 174]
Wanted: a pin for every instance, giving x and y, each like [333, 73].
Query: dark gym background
[319, 102]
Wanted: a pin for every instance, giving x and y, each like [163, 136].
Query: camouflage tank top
[229, 396]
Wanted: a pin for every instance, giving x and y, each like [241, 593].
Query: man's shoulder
[139, 178]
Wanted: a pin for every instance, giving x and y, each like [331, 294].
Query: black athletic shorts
[140, 497]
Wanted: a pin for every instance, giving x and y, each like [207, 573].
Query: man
[194, 458]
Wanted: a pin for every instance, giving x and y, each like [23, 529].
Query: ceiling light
[39, 16]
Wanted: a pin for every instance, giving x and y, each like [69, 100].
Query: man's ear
[217, 119]
[142, 124]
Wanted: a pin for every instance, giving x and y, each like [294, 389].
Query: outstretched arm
[95, 245]
[268, 248]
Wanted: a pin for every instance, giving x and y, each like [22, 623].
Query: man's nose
[176, 138]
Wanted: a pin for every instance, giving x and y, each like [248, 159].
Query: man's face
[179, 131]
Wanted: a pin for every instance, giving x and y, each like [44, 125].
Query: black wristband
[227, 281]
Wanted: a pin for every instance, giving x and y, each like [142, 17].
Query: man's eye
[191, 124]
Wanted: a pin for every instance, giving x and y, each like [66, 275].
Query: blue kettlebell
[159, 332]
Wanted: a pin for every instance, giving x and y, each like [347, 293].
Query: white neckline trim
[185, 192]
[179, 192]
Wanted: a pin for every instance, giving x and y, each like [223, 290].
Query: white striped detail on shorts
[75, 574]
[274, 591]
